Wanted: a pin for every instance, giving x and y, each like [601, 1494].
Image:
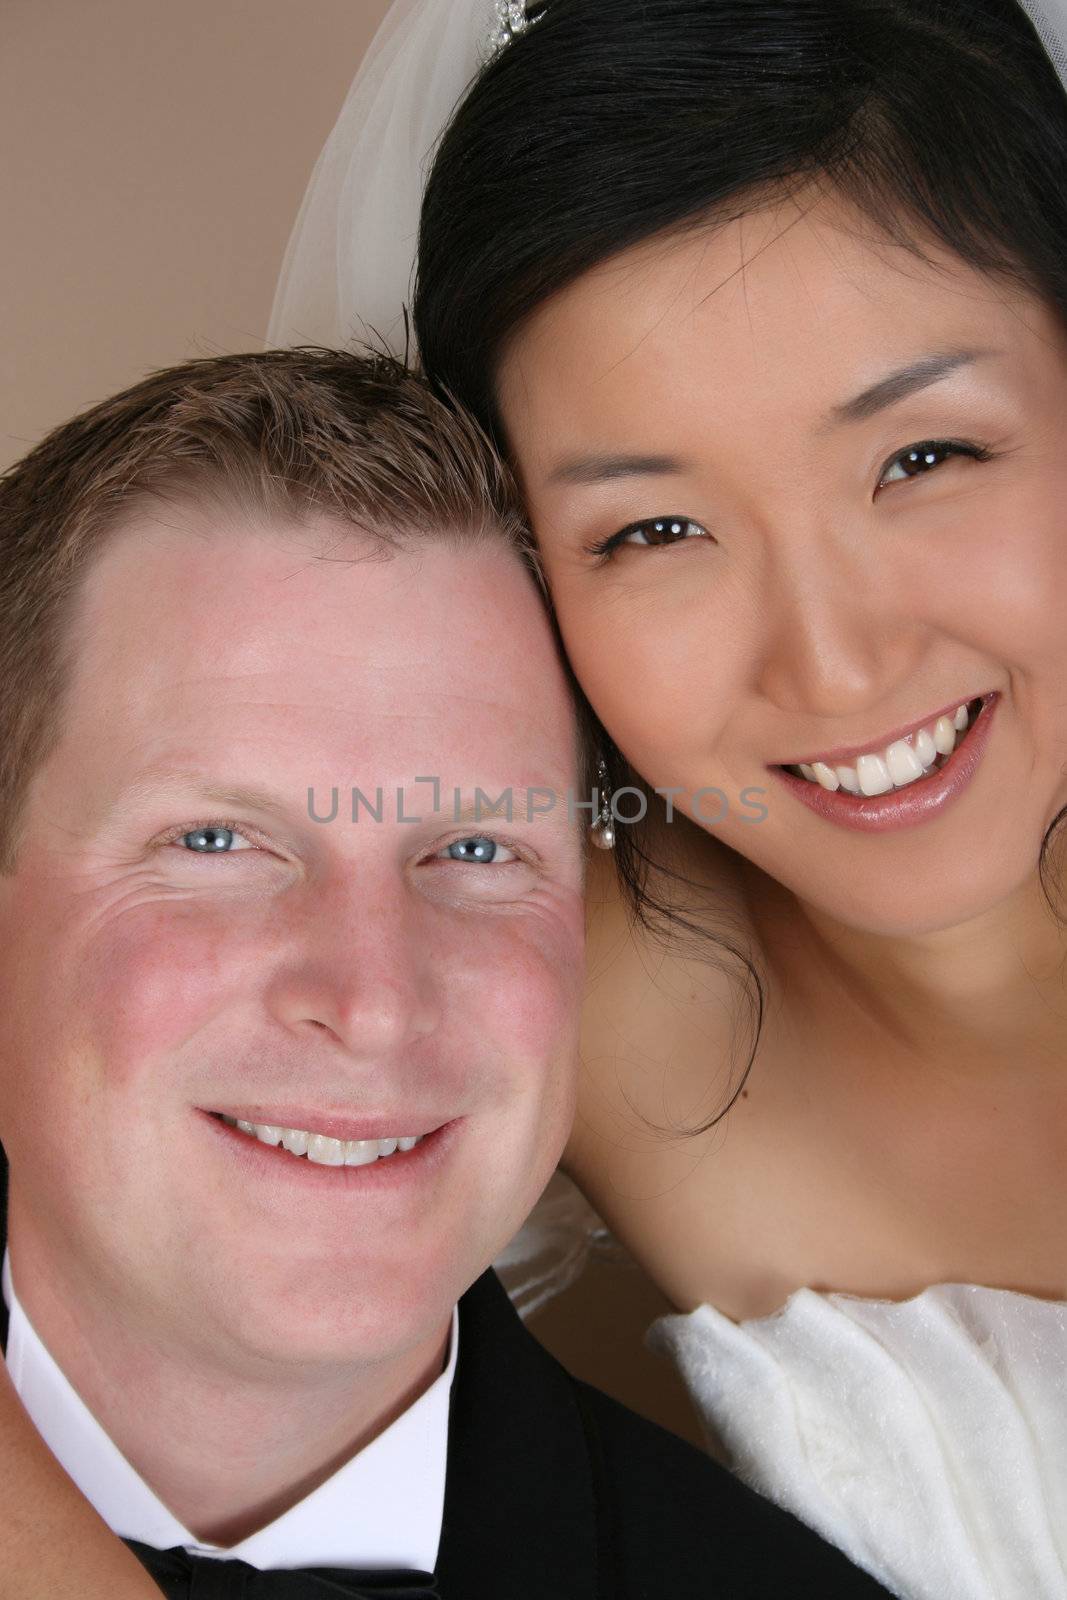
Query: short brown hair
[294, 433]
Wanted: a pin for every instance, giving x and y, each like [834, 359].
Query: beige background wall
[154, 154]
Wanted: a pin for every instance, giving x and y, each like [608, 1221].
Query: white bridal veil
[347, 272]
[349, 261]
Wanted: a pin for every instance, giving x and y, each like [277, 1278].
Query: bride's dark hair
[610, 121]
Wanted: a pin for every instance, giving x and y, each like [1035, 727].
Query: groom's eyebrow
[604, 468]
[179, 784]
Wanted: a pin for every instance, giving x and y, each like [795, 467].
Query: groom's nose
[360, 964]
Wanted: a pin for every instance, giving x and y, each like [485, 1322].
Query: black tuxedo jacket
[555, 1492]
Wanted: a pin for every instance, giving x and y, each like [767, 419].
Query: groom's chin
[373, 1319]
[366, 1299]
[376, 1305]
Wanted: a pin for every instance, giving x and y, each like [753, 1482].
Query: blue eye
[922, 458]
[210, 841]
[487, 852]
[654, 532]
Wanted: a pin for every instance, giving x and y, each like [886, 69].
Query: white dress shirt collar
[383, 1508]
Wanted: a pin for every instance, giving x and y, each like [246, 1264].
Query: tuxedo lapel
[523, 1508]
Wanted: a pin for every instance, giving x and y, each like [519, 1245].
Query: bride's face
[798, 493]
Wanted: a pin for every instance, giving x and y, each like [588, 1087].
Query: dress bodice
[926, 1438]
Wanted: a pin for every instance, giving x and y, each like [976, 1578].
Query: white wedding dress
[926, 1438]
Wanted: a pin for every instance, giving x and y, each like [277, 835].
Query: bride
[766, 303]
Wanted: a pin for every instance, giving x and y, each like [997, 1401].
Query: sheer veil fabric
[348, 266]
[346, 277]
[1049, 17]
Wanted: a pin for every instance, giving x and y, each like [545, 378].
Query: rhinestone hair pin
[512, 18]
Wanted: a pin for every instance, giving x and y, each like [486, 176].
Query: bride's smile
[798, 495]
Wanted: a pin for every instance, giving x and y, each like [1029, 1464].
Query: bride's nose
[835, 634]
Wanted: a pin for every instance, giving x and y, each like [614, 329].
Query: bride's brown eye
[922, 458]
[653, 532]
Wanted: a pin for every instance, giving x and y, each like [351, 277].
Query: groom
[290, 1012]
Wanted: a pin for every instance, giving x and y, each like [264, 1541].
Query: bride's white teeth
[386, 1147]
[925, 748]
[358, 1152]
[944, 736]
[266, 1133]
[407, 1144]
[903, 763]
[326, 1152]
[873, 775]
[296, 1141]
[247, 1127]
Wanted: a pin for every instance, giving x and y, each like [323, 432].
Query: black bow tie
[182, 1576]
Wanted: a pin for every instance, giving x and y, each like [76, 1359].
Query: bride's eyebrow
[887, 391]
[903, 382]
[604, 468]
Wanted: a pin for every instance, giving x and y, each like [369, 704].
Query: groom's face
[184, 945]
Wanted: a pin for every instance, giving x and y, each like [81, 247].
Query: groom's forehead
[273, 666]
[395, 616]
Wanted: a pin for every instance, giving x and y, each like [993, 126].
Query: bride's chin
[933, 892]
[897, 911]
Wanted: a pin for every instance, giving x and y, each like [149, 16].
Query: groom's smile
[289, 1057]
[396, 1167]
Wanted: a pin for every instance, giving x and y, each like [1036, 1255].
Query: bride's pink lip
[900, 808]
[845, 755]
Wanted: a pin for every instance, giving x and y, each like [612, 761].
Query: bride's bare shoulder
[662, 1141]
[668, 1003]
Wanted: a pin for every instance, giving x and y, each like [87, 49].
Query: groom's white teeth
[321, 1148]
[326, 1152]
[358, 1152]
